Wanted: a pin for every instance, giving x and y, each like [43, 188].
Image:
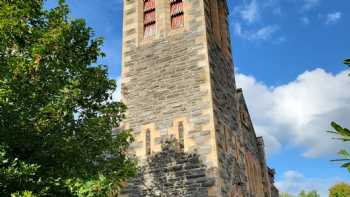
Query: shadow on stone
[169, 173]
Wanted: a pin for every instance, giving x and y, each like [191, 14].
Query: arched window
[148, 142]
[176, 13]
[149, 18]
[181, 135]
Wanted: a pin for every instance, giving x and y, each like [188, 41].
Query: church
[193, 132]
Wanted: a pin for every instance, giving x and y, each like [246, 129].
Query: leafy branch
[347, 62]
[344, 135]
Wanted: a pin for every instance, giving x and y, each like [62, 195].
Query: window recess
[149, 18]
[176, 13]
[148, 142]
[181, 135]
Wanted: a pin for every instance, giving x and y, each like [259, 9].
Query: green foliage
[309, 194]
[100, 187]
[56, 112]
[13, 171]
[286, 195]
[302, 194]
[347, 62]
[340, 190]
[23, 194]
[344, 135]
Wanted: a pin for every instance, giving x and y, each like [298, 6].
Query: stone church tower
[178, 81]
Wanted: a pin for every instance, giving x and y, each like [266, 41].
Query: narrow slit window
[149, 18]
[148, 142]
[177, 14]
[181, 135]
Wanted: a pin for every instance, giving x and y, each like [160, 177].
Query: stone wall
[226, 113]
[260, 178]
[171, 173]
[185, 76]
[274, 190]
[166, 80]
[253, 167]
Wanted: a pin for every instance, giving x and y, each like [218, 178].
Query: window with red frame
[177, 14]
[149, 17]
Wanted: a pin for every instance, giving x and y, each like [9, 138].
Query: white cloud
[116, 96]
[308, 4]
[294, 182]
[299, 113]
[305, 20]
[281, 40]
[250, 12]
[263, 33]
[333, 18]
[237, 28]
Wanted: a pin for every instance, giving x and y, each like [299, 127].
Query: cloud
[237, 28]
[305, 20]
[263, 33]
[294, 182]
[309, 4]
[299, 113]
[116, 96]
[333, 18]
[250, 12]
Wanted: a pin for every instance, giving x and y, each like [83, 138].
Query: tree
[56, 111]
[14, 171]
[340, 190]
[309, 194]
[302, 194]
[286, 195]
[344, 135]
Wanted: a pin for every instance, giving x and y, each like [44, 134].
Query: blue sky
[288, 56]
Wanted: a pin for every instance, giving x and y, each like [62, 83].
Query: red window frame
[149, 17]
[177, 13]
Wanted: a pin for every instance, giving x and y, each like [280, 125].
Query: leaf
[344, 154]
[48, 73]
[344, 132]
[346, 165]
[347, 62]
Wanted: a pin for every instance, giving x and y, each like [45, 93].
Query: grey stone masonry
[178, 81]
[171, 173]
